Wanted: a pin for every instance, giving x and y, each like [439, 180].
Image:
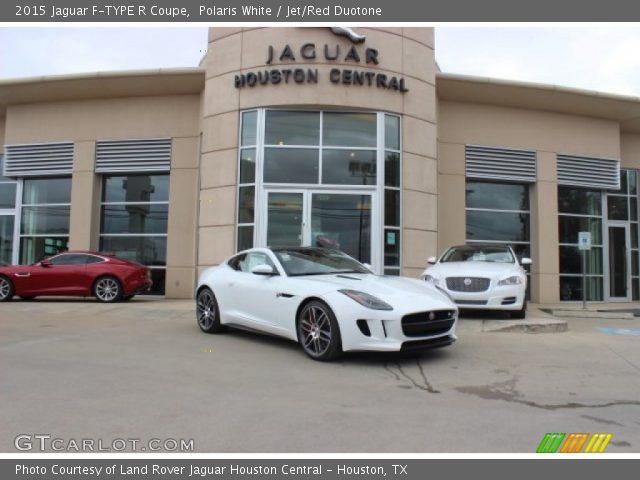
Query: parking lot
[142, 369]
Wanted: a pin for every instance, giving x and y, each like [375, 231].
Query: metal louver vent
[38, 159]
[588, 172]
[145, 155]
[500, 164]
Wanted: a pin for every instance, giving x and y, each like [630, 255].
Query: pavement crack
[507, 392]
[602, 420]
[422, 384]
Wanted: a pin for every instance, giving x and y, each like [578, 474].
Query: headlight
[515, 280]
[432, 279]
[366, 300]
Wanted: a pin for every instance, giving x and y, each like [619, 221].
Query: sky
[594, 58]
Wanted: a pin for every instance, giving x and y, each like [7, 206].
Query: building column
[452, 226]
[182, 222]
[84, 226]
[545, 280]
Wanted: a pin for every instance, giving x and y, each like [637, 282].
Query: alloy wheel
[206, 307]
[315, 330]
[5, 288]
[107, 289]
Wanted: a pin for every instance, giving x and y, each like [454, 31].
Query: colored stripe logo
[574, 443]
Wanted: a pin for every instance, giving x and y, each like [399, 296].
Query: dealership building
[305, 136]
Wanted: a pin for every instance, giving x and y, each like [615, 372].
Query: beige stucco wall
[630, 150]
[548, 134]
[86, 121]
[2, 129]
[406, 52]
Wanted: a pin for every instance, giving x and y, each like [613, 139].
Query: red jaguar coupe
[84, 274]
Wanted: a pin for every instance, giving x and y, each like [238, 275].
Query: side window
[254, 259]
[68, 259]
[236, 261]
[93, 259]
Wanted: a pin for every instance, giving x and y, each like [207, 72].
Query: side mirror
[263, 269]
[432, 260]
[45, 263]
[526, 261]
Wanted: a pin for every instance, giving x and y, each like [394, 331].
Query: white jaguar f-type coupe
[325, 300]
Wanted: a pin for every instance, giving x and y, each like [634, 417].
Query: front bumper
[384, 328]
[507, 298]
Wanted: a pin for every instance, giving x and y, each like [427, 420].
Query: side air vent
[588, 172]
[38, 159]
[144, 155]
[500, 164]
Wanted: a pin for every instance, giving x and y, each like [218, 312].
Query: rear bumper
[137, 287]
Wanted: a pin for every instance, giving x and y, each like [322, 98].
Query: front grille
[468, 284]
[413, 345]
[471, 302]
[425, 324]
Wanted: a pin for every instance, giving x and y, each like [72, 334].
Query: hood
[474, 269]
[388, 288]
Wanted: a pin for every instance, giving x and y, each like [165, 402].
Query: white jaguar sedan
[325, 300]
[481, 276]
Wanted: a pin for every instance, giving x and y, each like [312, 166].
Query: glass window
[69, 259]
[245, 237]
[34, 249]
[6, 239]
[235, 261]
[392, 247]
[617, 207]
[290, 165]
[571, 288]
[292, 128]
[246, 204]
[497, 196]
[497, 226]
[150, 251]
[580, 201]
[40, 191]
[7, 195]
[392, 208]
[136, 188]
[569, 227]
[391, 169]
[45, 220]
[254, 259]
[94, 259]
[135, 218]
[571, 260]
[345, 167]
[349, 129]
[248, 165]
[391, 132]
[134, 221]
[249, 128]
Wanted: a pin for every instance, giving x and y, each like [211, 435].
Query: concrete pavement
[80, 369]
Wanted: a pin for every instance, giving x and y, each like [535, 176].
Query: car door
[253, 297]
[63, 274]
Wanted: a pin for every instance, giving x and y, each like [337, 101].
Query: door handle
[22, 274]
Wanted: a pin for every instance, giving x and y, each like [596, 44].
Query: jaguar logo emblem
[467, 281]
[432, 316]
[350, 34]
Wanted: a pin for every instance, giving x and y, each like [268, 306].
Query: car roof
[482, 245]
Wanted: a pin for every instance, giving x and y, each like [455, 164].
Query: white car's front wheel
[207, 312]
[318, 332]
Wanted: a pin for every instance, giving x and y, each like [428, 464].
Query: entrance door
[7, 230]
[330, 219]
[619, 261]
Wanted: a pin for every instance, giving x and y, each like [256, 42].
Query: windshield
[473, 253]
[317, 261]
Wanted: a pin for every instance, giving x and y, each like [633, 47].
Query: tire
[107, 289]
[522, 313]
[318, 332]
[127, 298]
[207, 312]
[6, 289]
